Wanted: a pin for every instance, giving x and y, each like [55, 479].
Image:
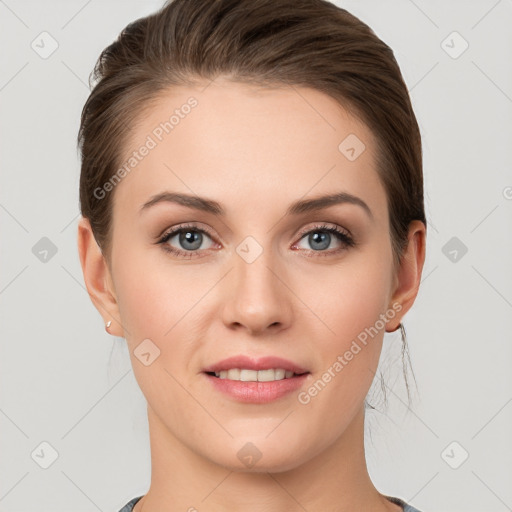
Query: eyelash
[342, 236]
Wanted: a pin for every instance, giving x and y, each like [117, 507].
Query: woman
[253, 223]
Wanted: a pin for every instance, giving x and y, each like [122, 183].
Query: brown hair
[310, 43]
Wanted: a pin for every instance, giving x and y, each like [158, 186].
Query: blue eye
[320, 238]
[190, 239]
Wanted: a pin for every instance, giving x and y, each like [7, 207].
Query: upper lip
[262, 363]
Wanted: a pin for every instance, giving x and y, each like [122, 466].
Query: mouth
[251, 391]
[247, 375]
[256, 381]
[246, 369]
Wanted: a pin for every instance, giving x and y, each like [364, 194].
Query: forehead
[238, 141]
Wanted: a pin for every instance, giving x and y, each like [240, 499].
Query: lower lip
[257, 392]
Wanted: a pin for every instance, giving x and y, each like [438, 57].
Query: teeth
[255, 376]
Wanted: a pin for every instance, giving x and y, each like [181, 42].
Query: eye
[188, 238]
[321, 237]
[188, 241]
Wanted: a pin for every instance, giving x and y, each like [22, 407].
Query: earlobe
[97, 278]
[409, 273]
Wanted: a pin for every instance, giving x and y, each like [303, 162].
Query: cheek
[155, 302]
[349, 297]
[351, 304]
[144, 294]
[156, 296]
[353, 298]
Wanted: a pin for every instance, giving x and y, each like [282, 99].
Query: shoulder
[409, 508]
[129, 506]
[403, 504]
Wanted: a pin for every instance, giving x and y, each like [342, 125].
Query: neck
[336, 479]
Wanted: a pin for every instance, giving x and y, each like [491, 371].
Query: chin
[261, 456]
[276, 465]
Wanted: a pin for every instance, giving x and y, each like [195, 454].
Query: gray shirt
[407, 508]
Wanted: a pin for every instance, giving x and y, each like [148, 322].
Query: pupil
[191, 237]
[320, 237]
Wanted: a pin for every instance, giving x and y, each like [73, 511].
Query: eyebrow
[297, 208]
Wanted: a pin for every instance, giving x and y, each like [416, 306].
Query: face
[264, 278]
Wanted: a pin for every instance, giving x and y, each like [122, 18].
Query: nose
[258, 297]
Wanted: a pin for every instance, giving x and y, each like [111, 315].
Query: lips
[248, 363]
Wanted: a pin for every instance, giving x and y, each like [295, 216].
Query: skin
[255, 151]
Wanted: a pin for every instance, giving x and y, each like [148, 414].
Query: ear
[98, 280]
[408, 278]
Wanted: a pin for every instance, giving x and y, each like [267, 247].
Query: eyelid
[343, 235]
[171, 232]
[178, 227]
[301, 233]
[325, 225]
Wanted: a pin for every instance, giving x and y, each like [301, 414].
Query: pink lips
[256, 392]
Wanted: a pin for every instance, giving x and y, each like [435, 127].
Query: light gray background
[65, 382]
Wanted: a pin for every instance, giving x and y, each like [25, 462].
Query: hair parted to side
[310, 43]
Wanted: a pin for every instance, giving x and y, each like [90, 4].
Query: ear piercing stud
[108, 324]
